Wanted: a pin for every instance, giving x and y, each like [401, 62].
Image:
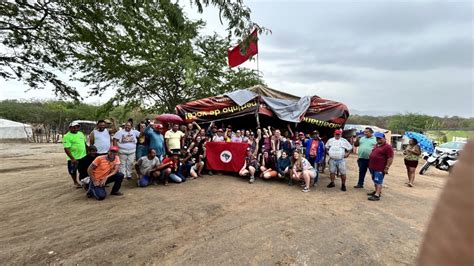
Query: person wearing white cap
[75, 147]
[338, 148]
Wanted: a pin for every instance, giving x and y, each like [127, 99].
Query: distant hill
[372, 112]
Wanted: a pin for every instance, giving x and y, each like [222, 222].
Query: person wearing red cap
[338, 148]
[104, 170]
[156, 140]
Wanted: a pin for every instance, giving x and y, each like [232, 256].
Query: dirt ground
[215, 220]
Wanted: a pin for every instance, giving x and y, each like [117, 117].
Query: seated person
[302, 170]
[250, 166]
[103, 170]
[184, 163]
[283, 165]
[148, 168]
[171, 168]
[84, 164]
[268, 166]
[197, 163]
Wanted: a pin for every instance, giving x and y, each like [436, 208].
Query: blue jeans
[363, 166]
[99, 193]
[141, 151]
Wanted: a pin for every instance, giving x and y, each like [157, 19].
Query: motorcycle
[443, 160]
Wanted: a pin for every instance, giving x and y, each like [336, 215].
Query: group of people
[179, 153]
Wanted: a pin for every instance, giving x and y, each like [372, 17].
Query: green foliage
[148, 52]
[413, 122]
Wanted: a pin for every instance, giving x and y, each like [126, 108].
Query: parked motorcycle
[443, 160]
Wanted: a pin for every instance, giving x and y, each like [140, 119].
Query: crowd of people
[179, 153]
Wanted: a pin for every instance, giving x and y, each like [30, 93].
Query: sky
[377, 57]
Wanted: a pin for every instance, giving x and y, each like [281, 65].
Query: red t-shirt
[174, 167]
[379, 157]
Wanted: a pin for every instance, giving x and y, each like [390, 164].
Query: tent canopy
[11, 130]
[266, 103]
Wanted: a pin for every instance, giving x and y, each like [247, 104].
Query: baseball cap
[301, 134]
[338, 132]
[114, 148]
[158, 126]
[107, 121]
[73, 124]
[220, 130]
[297, 142]
[379, 135]
[315, 132]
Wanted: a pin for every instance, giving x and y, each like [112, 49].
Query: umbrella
[424, 142]
[169, 118]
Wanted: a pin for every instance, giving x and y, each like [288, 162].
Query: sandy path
[214, 220]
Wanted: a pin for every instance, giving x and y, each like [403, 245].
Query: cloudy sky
[378, 57]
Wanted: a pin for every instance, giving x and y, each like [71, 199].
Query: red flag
[237, 55]
[225, 156]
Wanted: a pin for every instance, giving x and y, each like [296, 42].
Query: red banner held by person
[238, 55]
[225, 156]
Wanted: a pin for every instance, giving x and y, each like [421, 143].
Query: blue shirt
[156, 141]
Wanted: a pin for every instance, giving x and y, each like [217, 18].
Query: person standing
[142, 141]
[126, 140]
[75, 147]
[364, 146]
[174, 139]
[156, 140]
[412, 153]
[100, 138]
[338, 149]
[380, 160]
[315, 151]
[219, 136]
[104, 170]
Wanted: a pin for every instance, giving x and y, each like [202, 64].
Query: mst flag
[225, 156]
[239, 54]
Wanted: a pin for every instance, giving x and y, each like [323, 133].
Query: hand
[386, 170]
[74, 161]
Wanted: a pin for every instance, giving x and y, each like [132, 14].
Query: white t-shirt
[305, 164]
[174, 139]
[127, 140]
[101, 140]
[146, 165]
[337, 148]
[217, 138]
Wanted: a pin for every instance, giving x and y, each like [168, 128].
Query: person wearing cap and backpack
[380, 160]
[104, 170]
[75, 147]
[338, 148]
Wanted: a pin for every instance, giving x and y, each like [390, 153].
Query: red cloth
[236, 56]
[225, 156]
[379, 157]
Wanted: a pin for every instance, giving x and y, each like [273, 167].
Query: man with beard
[100, 138]
[104, 170]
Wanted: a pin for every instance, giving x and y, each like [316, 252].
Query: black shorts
[410, 163]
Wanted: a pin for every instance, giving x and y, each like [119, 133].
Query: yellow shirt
[174, 139]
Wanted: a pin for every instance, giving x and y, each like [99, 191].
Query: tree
[149, 52]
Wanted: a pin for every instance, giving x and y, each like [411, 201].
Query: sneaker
[371, 193]
[210, 172]
[358, 186]
[343, 188]
[252, 179]
[118, 193]
[305, 189]
[374, 198]
[331, 184]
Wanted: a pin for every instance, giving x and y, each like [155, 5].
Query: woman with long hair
[302, 170]
[268, 166]
[412, 153]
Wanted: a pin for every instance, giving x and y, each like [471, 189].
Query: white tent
[11, 130]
